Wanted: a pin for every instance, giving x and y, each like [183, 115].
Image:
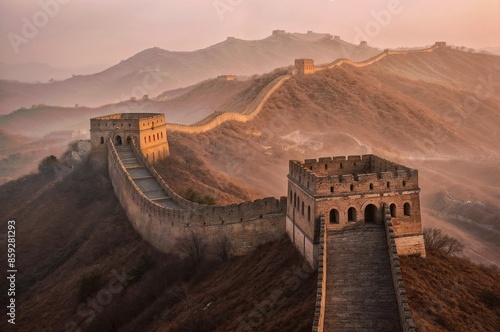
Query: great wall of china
[256, 105]
[162, 217]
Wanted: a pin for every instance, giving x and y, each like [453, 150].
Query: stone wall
[250, 112]
[247, 225]
[374, 59]
[319, 312]
[404, 308]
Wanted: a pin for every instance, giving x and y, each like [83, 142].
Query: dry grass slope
[449, 293]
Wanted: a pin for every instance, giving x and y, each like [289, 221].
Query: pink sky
[76, 33]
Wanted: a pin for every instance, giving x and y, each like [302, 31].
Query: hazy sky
[82, 32]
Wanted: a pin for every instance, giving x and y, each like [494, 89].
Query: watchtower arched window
[102, 140]
[291, 197]
[393, 210]
[404, 183]
[145, 141]
[351, 214]
[351, 187]
[298, 203]
[331, 189]
[309, 213]
[406, 209]
[302, 207]
[294, 199]
[371, 186]
[334, 216]
[388, 184]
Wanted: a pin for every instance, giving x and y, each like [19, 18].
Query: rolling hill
[155, 70]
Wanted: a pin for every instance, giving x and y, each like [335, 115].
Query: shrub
[197, 197]
[193, 246]
[89, 284]
[46, 166]
[435, 240]
[138, 270]
[223, 247]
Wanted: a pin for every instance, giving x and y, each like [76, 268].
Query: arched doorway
[351, 214]
[393, 210]
[129, 140]
[118, 140]
[371, 212]
[334, 216]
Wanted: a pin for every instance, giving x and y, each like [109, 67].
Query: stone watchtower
[148, 129]
[304, 66]
[349, 192]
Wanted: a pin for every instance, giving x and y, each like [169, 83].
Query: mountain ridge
[155, 70]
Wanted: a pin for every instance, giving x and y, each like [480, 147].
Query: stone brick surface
[360, 292]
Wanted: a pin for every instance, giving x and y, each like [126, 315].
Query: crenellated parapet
[352, 175]
[351, 191]
[148, 129]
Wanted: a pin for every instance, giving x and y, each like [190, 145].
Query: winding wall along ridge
[252, 110]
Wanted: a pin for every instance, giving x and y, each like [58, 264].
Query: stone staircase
[143, 178]
[360, 293]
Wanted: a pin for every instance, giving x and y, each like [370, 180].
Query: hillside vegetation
[449, 293]
[74, 243]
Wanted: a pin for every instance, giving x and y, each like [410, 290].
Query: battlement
[351, 191]
[363, 43]
[352, 175]
[304, 66]
[227, 77]
[440, 44]
[149, 129]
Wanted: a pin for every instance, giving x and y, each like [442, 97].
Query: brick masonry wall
[247, 224]
[319, 312]
[404, 308]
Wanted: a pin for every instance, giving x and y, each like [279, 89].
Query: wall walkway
[360, 293]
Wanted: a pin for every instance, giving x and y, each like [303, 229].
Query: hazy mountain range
[155, 70]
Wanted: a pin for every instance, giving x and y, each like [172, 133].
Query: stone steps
[360, 293]
[143, 178]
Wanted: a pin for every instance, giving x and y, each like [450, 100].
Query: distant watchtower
[349, 192]
[148, 129]
[304, 66]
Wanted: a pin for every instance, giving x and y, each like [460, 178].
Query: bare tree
[193, 246]
[223, 247]
[435, 240]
